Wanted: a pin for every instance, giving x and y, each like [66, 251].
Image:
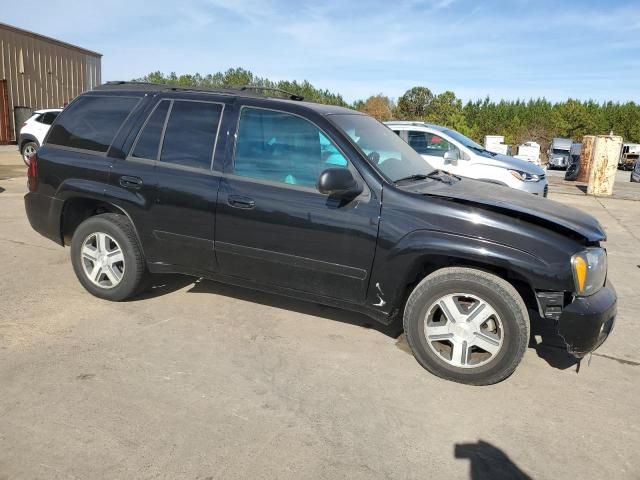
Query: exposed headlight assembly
[589, 270]
[524, 176]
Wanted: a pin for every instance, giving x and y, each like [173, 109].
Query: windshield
[387, 152]
[466, 141]
[560, 151]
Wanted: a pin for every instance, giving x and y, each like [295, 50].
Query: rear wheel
[107, 258]
[467, 325]
[28, 149]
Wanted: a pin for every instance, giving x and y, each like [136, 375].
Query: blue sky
[505, 49]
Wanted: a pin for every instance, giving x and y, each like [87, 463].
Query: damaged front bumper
[586, 322]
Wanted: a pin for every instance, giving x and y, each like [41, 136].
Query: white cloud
[514, 48]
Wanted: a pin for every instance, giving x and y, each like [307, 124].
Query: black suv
[316, 202]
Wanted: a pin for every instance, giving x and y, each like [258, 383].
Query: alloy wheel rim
[463, 330]
[28, 151]
[102, 260]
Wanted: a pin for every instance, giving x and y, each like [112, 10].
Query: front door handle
[130, 182]
[237, 201]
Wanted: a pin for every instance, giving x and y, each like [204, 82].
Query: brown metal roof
[49, 39]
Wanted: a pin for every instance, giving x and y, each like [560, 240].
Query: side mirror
[338, 182]
[451, 156]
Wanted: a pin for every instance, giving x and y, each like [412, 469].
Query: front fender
[394, 269]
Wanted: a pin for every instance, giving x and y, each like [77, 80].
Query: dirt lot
[623, 188]
[198, 380]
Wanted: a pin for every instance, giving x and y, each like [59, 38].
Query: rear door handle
[130, 182]
[237, 201]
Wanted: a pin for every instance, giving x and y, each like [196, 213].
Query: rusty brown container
[5, 126]
[586, 156]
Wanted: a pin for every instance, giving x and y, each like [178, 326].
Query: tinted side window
[91, 123]
[148, 143]
[283, 148]
[429, 144]
[39, 118]
[49, 117]
[191, 134]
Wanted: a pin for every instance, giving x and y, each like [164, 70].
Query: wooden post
[604, 165]
[586, 155]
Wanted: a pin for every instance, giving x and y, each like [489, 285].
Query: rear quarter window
[91, 122]
[49, 117]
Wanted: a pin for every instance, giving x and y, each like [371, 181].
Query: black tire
[498, 293]
[26, 147]
[120, 229]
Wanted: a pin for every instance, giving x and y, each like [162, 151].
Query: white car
[34, 130]
[448, 150]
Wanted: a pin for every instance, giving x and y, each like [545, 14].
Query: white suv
[34, 130]
[448, 150]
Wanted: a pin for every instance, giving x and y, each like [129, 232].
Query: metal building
[39, 72]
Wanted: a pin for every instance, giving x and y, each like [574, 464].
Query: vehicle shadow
[544, 339]
[164, 284]
[548, 344]
[488, 462]
[158, 285]
[1, 189]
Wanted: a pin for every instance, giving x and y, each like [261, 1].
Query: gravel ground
[198, 380]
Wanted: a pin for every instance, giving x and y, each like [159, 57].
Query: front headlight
[589, 270]
[524, 176]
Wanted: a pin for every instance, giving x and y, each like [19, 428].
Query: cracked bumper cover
[585, 323]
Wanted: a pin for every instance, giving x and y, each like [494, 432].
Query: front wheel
[467, 325]
[107, 257]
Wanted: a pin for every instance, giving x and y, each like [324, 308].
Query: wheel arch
[76, 209]
[25, 138]
[430, 264]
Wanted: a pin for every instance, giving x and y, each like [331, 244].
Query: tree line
[518, 120]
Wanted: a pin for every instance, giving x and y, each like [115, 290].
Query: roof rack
[408, 122]
[227, 90]
[292, 96]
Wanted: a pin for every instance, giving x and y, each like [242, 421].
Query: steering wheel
[392, 167]
[374, 157]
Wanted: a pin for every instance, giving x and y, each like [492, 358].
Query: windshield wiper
[411, 178]
[440, 175]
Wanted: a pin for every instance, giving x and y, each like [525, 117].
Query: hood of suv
[514, 202]
[511, 163]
